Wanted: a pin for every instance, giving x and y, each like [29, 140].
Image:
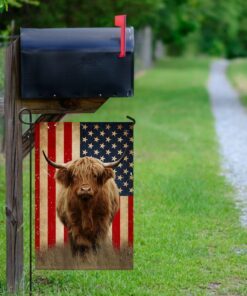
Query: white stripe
[43, 187]
[59, 159]
[75, 140]
[123, 221]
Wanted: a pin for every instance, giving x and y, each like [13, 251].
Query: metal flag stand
[29, 136]
[132, 119]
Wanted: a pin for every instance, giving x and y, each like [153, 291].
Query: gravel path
[231, 128]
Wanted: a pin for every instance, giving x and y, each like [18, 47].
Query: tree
[219, 26]
[215, 27]
[16, 3]
[211, 27]
[3, 5]
[176, 20]
[78, 13]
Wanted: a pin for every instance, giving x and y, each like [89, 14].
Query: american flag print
[66, 141]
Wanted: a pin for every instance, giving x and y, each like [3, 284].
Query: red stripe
[51, 185]
[37, 185]
[116, 230]
[130, 220]
[67, 155]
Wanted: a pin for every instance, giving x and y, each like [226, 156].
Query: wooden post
[14, 202]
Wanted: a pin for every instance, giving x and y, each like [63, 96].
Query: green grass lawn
[188, 239]
[237, 72]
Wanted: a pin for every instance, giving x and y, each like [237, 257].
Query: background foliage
[217, 28]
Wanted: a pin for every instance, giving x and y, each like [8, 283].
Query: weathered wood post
[14, 202]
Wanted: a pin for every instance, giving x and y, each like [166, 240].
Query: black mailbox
[76, 63]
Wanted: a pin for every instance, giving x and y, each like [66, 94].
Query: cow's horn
[114, 163]
[52, 163]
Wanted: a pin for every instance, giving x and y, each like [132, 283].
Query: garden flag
[84, 195]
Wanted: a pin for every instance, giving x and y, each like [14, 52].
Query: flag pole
[29, 136]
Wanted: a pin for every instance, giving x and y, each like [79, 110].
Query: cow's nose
[85, 188]
[85, 192]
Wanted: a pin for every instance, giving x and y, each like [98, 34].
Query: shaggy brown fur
[87, 217]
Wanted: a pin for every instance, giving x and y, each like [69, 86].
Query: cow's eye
[95, 176]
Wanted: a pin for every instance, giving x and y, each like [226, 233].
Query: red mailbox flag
[120, 21]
